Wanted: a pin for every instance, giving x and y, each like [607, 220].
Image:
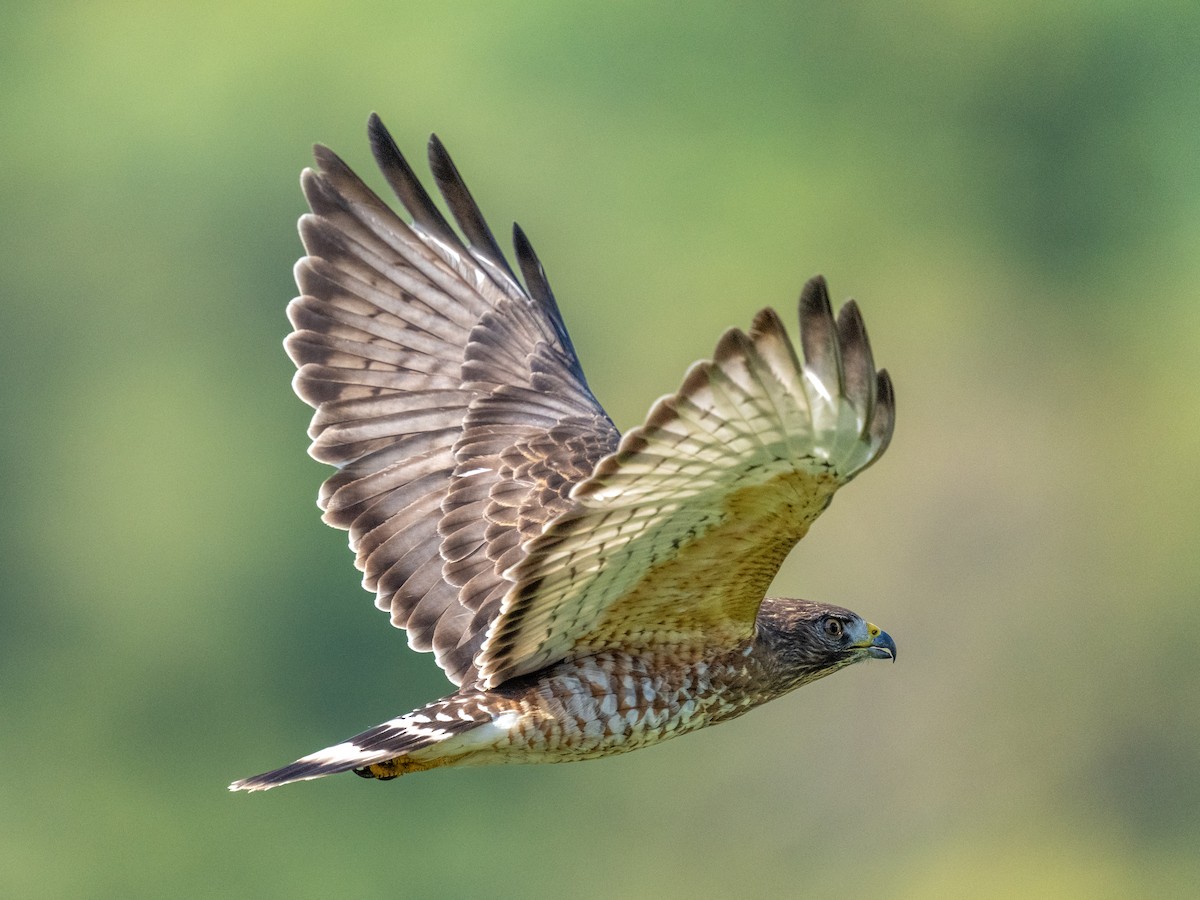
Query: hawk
[586, 593]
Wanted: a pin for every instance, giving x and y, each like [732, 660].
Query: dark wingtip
[326, 159]
[531, 267]
[539, 288]
[851, 311]
[404, 182]
[887, 395]
[858, 367]
[383, 145]
[818, 333]
[883, 417]
[466, 212]
[765, 321]
[522, 244]
[814, 290]
[440, 163]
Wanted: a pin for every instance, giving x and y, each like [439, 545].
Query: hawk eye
[833, 628]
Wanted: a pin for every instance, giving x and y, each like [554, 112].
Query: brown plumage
[589, 594]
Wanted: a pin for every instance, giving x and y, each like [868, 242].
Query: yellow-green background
[1012, 191]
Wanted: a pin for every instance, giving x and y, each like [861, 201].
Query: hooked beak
[881, 645]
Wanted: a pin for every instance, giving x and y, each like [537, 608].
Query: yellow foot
[401, 765]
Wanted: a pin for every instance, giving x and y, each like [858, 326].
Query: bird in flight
[586, 593]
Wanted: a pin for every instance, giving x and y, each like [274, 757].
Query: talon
[384, 771]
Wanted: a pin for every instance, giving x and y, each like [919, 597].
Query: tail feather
[394, 738]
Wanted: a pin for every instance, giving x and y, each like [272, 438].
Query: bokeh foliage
[1011, 190]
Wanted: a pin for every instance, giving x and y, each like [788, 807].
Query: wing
[677, 535]
[448, 396]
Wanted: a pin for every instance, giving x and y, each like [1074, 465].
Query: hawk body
[595, 705]
[588, 593]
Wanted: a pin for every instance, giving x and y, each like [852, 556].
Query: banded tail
[387, 750]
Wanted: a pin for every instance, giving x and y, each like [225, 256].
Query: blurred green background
[1011, 191]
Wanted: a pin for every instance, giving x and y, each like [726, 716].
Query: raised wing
[677, 535]
[448, 396]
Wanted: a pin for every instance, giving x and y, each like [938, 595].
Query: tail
[383, 751]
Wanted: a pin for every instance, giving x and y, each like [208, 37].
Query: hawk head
[804, 641]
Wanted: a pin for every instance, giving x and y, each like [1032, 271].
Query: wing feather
[480, 242]
[428, 366]
[678, 534]
[492, 507]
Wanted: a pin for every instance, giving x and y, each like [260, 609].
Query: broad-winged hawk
[587, 593]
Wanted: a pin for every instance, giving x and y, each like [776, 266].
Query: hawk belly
[597, 705]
